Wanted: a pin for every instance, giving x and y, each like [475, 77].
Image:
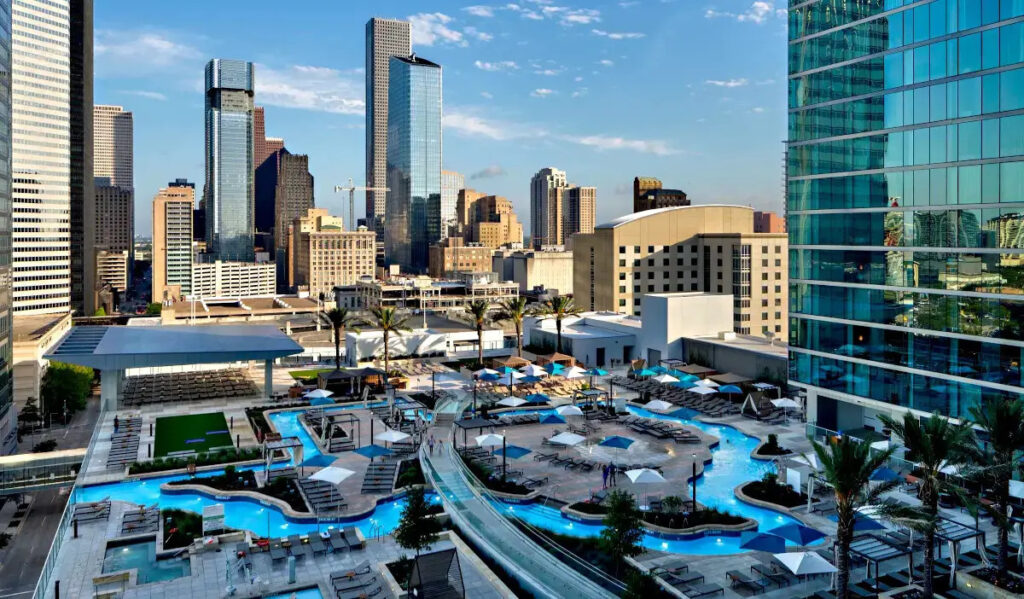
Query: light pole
[694, 463]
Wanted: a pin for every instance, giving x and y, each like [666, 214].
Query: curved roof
[635, 216]
[116, 347]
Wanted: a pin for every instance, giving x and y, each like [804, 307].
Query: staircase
[380, 478]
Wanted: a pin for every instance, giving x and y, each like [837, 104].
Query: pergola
[696, 370]
[590, 395]
[729, 378]
[275, 443]
[875, 550]
[330, 420]
[467, 424]
[511, 362]
[557, 358]
[954, 532]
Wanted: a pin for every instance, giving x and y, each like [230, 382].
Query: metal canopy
[950, 530]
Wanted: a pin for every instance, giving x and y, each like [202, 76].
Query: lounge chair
[737, 578]
[337, 540]
[316, 543]
[352, 538]
[703, 590]
[277, 551]
[683, 579]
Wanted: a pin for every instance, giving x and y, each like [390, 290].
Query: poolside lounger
[297, 548]
[683, 578]
[346, 583]
[540, 457]
[780, 579]
[739, 578]
[352, 537]
[277, 551]
[703, 590]
[361, 593]
[317, 544]
[337, 541]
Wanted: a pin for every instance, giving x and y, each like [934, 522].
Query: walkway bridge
[24, 472]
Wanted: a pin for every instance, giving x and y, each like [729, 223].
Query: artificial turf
[190, 433]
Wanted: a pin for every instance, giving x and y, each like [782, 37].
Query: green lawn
[190, 433]
[308, 374]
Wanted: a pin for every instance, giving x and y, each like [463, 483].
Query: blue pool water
[313, 593]
[142, 557]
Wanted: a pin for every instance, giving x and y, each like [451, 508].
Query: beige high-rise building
[546, 205]
[172, 242]
[323, 255]
[454, 256]
[113, 145]
[487, 220]
[112, 269]
[580, 203]
[706, 248]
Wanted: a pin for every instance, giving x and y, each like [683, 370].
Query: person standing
[611, 473]
[117, 423]
[604, 476]
[430, 443]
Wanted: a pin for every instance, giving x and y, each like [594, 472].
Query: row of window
[979, 228]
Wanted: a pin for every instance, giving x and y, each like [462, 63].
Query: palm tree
[514, 310]
[478, 311]
[937, 443]
[389, 321]
[341, 319]
[558, 307]
[1003, 421]
[847, 466]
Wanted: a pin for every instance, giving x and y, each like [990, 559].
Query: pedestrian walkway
[535, 568]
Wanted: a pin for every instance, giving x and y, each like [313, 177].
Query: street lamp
[694, 464]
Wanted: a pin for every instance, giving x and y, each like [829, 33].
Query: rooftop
[750, 343]
[628, 218]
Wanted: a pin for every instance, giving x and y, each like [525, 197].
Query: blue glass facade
[413, 162]
[230, 206]
[905, 200]
[8, 422]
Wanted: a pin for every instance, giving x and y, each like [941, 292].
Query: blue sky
[689, 91]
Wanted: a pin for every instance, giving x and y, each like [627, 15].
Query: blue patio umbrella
[762, 541]
[730, 389]
[644, 372]
[597, 372]
[490, 378]
[537, 398]
[322, 460]
[616, 442]
[553, 368]
[689, 378]
[512, 451]
[529, 380]
[552, 419]
[861, 523]
[373, 451]
[506, 369]
[798, 533]
[884, 474]
[321, 401]
[684, 384]
[659, 369]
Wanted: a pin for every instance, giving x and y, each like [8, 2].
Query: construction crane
[351, 189]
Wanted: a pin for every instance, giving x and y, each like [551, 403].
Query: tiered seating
[660, 429]
[712, 406]
[188, 386]
[380, 478]
[321, 496]
[124, 444]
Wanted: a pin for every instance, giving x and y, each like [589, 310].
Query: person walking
[430, 443]
[611, 473]
[117, 424]
[604, 476]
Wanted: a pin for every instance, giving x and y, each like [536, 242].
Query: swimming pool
[311, 593]
[141, 556]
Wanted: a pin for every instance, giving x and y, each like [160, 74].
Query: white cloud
[759, 12]
[582, 16]
[727, 82]
[475, 33]
[480, 11]
[606, 63]
[135, 53]
[628, 4]
[472, 125]
[757, 109]
[548, 72]
[429, 28]
[489, 172]
[579, 92]
[144, 93]
[605, 142]
[765, 82]
[617, 35]
[311, 88]
[542, 92]
[577, 79]
[500, 65]
[487, 95]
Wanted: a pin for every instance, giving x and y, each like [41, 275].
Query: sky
[691, 92]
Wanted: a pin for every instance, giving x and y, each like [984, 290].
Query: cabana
[875, 550]
[696, 370]
[590, 396]
[729, 378]
[556, 358]
[954, 533]
[510, 361]
[275, 443]
[437, 574]
[468, 424]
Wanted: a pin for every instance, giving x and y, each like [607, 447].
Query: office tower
[259, 136]
[324, 255]
[228, 192]
[768, 222]
[486, 219]
[81, 198]
[114, 226]
[8, 417]
[266, 184]
[887, 315]
[41, 157]
[710, 249]
[219, 279]
[172, 241]
[451, 183]
[113, 145]
[580, 203]
[292, 198]
[453, 256]
[648, 194]
[546, 203]
[414, 160]
[384, 38]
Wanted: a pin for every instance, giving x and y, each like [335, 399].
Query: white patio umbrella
[658, 405]
[701, 390]
[483, 371]
[569, 411]
[319, 393]
[510, 378]
[573, 372]
[645, 476]
[490, 440]
[392, 436]
[568, 439]
[533, 370]
[512, 401]
[665, 379]
[805, 563]
[785, 403]
[332, 474]
[708, 383]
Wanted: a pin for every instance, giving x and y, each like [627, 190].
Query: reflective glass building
[905, 201]
[8, 418]
[230, 209]
[414, 162]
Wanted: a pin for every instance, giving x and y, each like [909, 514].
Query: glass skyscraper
[230, 209]
[905, 201]
[8, 418]
[414, 162]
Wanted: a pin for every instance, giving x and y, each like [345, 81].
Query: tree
[154, 309]
[65, 385]
[514, 310]
[478, 312]
[30, 412]
[391, 322]
[936, 443]
[100, 312]
[1003, 421]
[641, 585]
[623, 528]
[417, 529]
[559, 308]
[341, 319]
[847, 466]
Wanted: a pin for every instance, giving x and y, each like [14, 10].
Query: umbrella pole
[504, 458]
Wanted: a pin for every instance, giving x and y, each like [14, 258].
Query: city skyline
[710, 116]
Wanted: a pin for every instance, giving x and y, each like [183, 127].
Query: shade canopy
[764, 386]
[483, 371]
[644, 372]
[798, 533]
[553, 368]
[689, 378]
[645, 476]
[597, 372]
[391, 436]
[373, 451]
[861, 523]
[709, 383]
[321, 401]
[616, 442]
[659, 405]
[489, 377]
[884, 474]
[537, 398]
[513, 451]
[574, 372]
[684, 385]
[509, 378]
[552, 419]
[532, 370]
[332, 474]
[512, 402]
[569, 411]
[730, 389]
[665, 379]
[785, 403]
[762, 541]
[804, 563]
[702, 390]
[321, 460]
[505, 369]
[490, 440]
[569, 439]
[318, 394]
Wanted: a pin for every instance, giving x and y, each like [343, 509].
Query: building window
[719, 275]
[719, 289]
[650, 289]
[622, 276]
[636, 289]
[622, 289]
[636, 249]
[622, 303]
[636, 301]
[664, 262]
[764, 316]
[764, 276]
[778, 289]
[679, 261]
[778, 276]
[636, 275]
[650, 249]
[693, 287]
[778, 263]
[622, 263]
[764, 303]
[650, 275]
[778, 328]
[719, 262]
[622, 249]
[764, 263]
[693, 274]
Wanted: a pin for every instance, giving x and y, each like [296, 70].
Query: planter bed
[281, 489]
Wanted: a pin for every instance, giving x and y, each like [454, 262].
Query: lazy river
[731, 466]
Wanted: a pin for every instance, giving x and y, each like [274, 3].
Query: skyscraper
[580, 204]
[41, 157]
[115, 219]
[81, 196]
[292, 199]
[899, 169]
[113, 145]
[546, 206]
[266, 161]
[172, 241]
[229, 160]
[8, 418]
[414, 161]
[114, 199]
[451, 183]
[384, 38]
